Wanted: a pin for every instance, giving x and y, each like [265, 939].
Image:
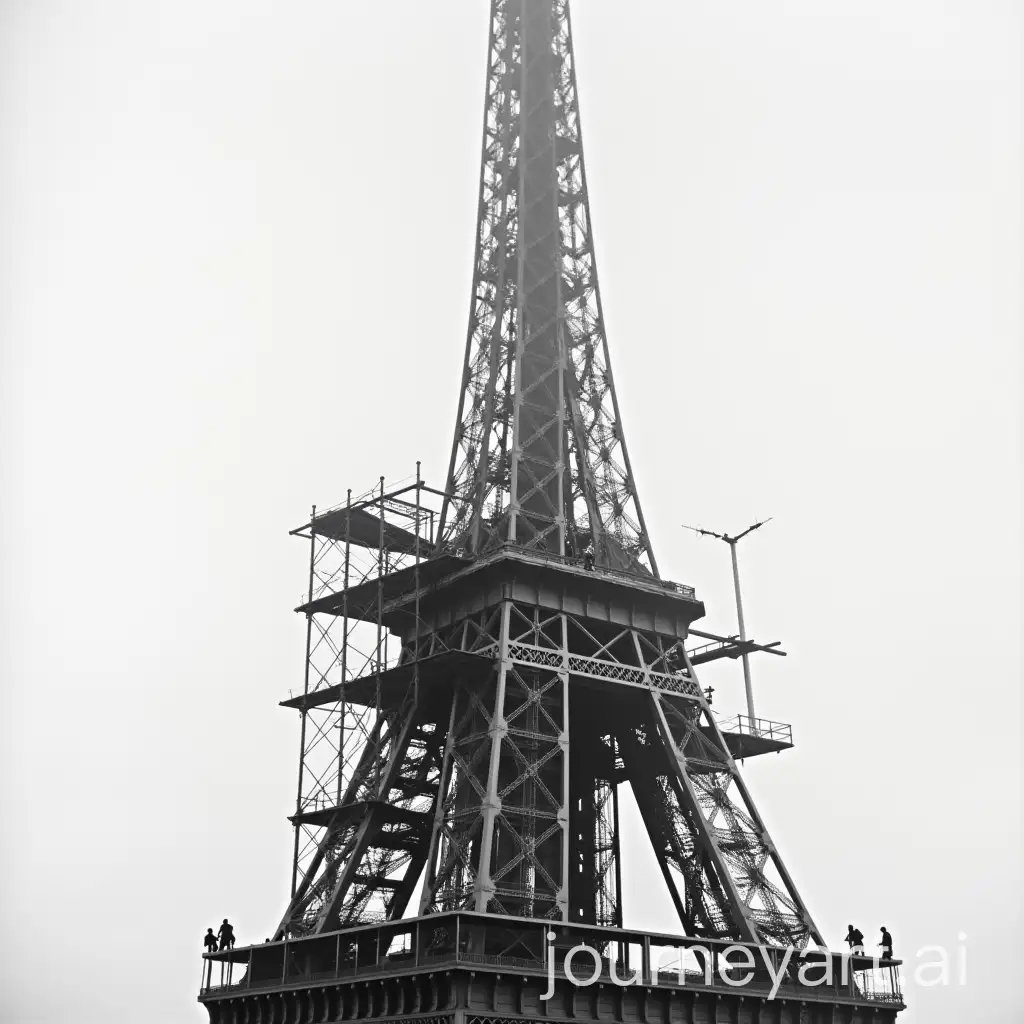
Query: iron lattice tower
[477, 688]
[539, 464]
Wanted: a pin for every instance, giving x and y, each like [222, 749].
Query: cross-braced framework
[350, 749]
[539, 456]
[484, 750]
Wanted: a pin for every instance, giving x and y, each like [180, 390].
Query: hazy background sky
[236, 260]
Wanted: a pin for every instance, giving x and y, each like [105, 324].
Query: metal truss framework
[539, 457]
[473, 783]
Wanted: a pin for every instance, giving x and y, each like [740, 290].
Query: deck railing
[399, 947]
[746, 726]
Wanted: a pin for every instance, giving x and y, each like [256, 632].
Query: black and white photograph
[458, 574]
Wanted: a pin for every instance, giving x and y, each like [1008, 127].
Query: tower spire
[539, 457]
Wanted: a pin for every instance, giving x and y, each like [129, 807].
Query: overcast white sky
[235, 271]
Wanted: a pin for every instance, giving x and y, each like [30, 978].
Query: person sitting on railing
[886, 944]
[854, 939]
[227, 935]
[210, 941]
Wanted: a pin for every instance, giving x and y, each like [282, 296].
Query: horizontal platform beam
[389, 814]
[554, 576]
[361, 601]
[727, 647]
[394, 682]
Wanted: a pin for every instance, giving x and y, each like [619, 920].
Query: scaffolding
[355, 550]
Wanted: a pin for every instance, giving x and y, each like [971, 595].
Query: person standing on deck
[588, 558]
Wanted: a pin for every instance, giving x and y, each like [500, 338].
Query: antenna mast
[732, 542]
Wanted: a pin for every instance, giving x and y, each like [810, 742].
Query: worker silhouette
[886, 944]
[588, 558]
[210, 941]
[854, 939]
[227, 935]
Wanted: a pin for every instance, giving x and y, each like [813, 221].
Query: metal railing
[447, 940]
[577, 562]
[761, 727]
[877, 985]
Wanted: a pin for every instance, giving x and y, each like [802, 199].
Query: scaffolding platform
[748, 737]
[394, 682]
[362, 600]
[360, 527]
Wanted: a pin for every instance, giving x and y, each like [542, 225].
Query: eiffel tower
[491, 662]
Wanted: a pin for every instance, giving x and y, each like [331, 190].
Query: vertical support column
[344, 644]
[305, 691]
[380, 626]
[567, 795]
[617, 846]
[483, 887]
[747, 685]
[416, 587]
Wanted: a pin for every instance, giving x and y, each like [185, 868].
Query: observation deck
[446, 962]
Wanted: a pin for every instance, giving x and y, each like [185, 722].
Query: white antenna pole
[743, 632]
[732, 542]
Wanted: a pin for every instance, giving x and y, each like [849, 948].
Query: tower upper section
[539, 457]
